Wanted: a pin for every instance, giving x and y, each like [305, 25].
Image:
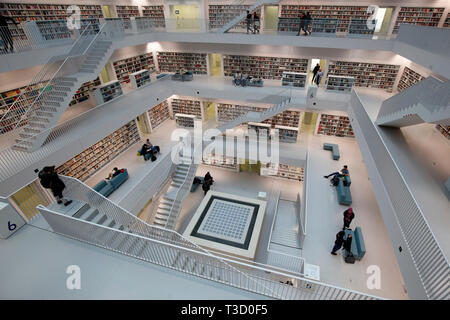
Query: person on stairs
[49, 179]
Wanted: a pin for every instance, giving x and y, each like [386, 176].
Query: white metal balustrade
[429, 260]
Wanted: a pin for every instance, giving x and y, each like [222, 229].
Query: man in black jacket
[5, 34]
[249, 21]
[338, 242]
[49, 179]
[315, 70]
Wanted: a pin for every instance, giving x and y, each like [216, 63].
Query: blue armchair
[105, 187]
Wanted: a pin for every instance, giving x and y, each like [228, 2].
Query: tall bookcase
[184, 120]
[263, 67]
[155, 14]
[340, 83]
[88, 162]
[293, 79]
[125, 67]
[284, 171]
[84, 91]
[418, 15]
[408, 79]
[125, 12]
[371, 75]
[8, 98]
[447, 21]
[140, 79]
[335, 125]
[108, 91]
[221, 161]
[220, 15]
[342, 13]
[191, 107]
[318, 25]
[174, 61]
[31, 12]
[158, 114]
[444, 130]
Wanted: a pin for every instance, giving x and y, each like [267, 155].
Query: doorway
[314, 62]
[383, 19]
[215, 64]
[185, 16]
[250, 167]
[108, 11]
[309, 123]
[210, 109]
[143, 125]
[271, 18]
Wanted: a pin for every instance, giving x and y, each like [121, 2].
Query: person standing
[319, 76]
[249, 21]
[301, 23]
[256, 23]
[315, 70]
[349, 215]
[348, 244]
[5, 34]
[206, 186]
[49, 179]
[338, 242]
[308, 21]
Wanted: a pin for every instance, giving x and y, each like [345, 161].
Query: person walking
[49, 179]
[338, 242]
[301, 23]
[315, 70]
[249, 21]
[5, 34]
[319, 76]
[349, 215]
[256, 23]
[206, 186]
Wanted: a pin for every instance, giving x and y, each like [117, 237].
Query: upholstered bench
[105, 187]
[162, 75]
[334, 148]
[197, 181]
[358, 248]
[343, 193]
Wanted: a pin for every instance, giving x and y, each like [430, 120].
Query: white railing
[432, 94]
[148, 185]
[303, 205]
[42, 82]
[195, 260]
[429, 260]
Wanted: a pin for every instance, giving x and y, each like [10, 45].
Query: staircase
[170, 205]
[48, 107]
[243, 15]
[427, 101]
[252, 116]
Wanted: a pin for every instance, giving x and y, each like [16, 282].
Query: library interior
[226, 150]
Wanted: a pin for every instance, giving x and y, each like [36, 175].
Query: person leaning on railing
[5, 34]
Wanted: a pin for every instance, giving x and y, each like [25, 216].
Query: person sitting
[114, 173]
[146, 151]
[344, 172]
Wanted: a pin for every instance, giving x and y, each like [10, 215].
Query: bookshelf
[174, 61]
[108, 91]
[366, 74]
[220, 15]
[48, 30]
[158, 114]
[126, 12]
[184, 120]
[444, 130]
[340, 83]
[263, 67]
[408, 79]
[335, 125]
[293, 79]
[83, 92]
[7, 99]
[343, 14]
[155, 14]
[447, 21]
[140, 79]
[191, 107]
[287, 134]
[88, 162]
[419, 16]
[124, 67]
[220, 161]
[318, 26]
[284, 171]
[358, 28]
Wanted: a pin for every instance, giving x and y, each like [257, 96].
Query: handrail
[38, 78]
[69, 57]
[201, 256]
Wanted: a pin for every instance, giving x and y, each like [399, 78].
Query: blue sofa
[187, 76]
[358, 248]
[105, 187]
[195, 185]
[343, 192]
[334, 148]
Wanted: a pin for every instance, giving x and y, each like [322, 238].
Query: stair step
[60, 87]
[53, 98]
[165, 201]
[48, 109]
[59, 93]
[87, 70]
[39, 119]
[46, 114]
[34, 124]
[81, 211]
[167, 206]
[163, 211]
[51, 104]
[19, 148]
[68, 79]
[23, 143]
[31, 130]
[159, 224]
[27, 136]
